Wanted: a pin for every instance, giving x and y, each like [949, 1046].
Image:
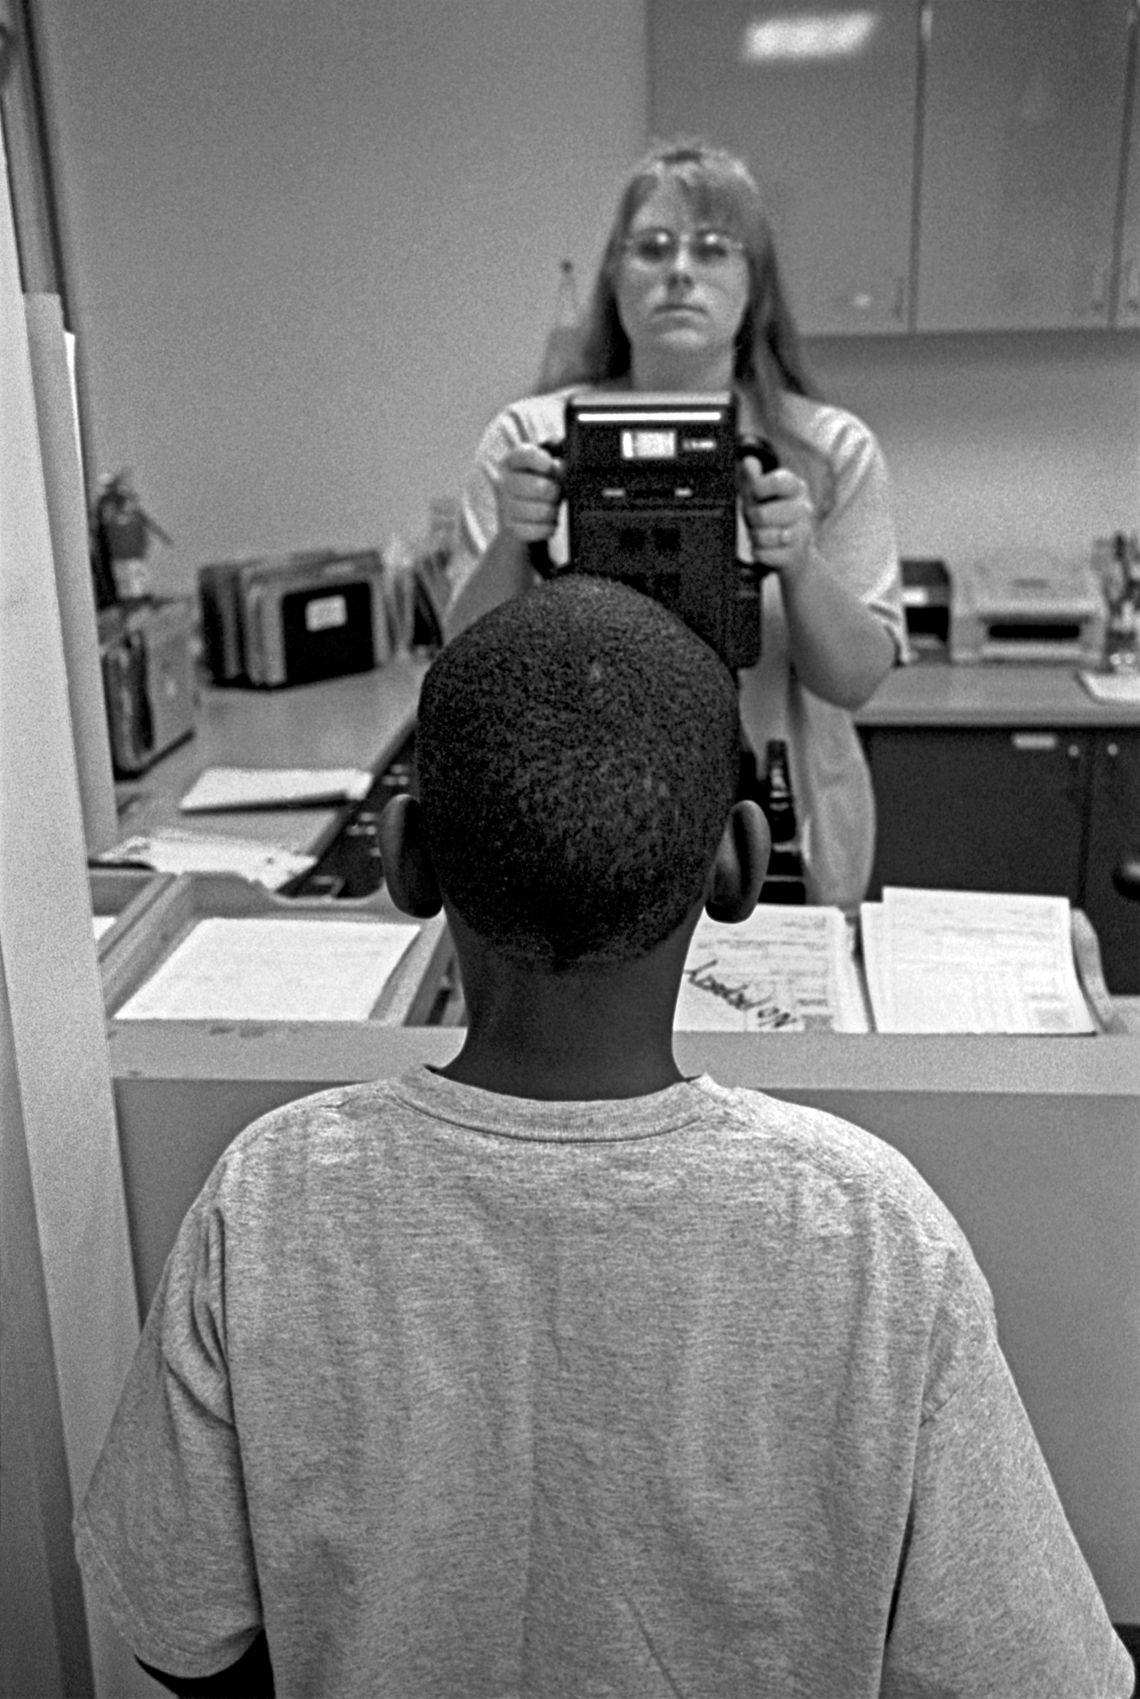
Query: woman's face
[683, 310]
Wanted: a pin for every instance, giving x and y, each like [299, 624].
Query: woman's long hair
[722, 191]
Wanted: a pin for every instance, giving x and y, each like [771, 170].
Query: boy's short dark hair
[578, 756]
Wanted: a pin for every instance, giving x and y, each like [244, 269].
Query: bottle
[563, 339]
[784, 882]
[431, 587]
[1115, 565]
[780, 805]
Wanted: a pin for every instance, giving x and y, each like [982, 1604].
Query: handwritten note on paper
[973, 961]
[270, 969]
[784, 969]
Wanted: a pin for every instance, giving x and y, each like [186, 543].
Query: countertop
[1000, 693]
[356, 721]
[360, 720]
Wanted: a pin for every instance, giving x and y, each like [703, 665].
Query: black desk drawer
[351, 865]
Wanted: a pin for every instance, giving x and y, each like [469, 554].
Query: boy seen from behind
[552, 1372]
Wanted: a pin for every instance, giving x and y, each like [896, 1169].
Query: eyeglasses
[655, 248]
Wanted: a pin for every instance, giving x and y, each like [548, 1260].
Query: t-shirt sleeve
[163, 1534]
[857, 533]
[994, 1595]
[478, 509]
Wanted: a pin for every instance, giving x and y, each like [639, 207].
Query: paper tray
[123, 895]
[407, 996]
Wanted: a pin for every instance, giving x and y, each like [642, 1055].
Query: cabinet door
[1128, 274]
[1023, 124]
[822, 105]
[978, 810]
[1114, 829]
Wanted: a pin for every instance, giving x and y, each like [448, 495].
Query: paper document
[785, 969]
[971, 961]
[220, 788]
[200, 852]
[1112, 687]
[269, 969]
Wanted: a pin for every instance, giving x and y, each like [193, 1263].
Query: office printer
[1026, 605]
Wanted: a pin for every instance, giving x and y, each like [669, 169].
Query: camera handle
[538, 554]
[758, 449]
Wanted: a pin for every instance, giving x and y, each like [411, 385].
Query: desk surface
[358, 721]
[937, 693]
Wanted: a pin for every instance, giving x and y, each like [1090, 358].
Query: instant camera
[651, 492]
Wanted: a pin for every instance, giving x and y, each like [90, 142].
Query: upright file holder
[406, 999]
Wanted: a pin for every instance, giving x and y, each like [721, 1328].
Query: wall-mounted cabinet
[929, 164]
[1022, 127]
[830, 137]
[1127, 281]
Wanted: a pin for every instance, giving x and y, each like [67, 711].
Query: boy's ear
[741, 862]
[408, 870]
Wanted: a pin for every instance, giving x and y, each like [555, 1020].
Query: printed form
[255, 968]
[785, 969]
[972, 961]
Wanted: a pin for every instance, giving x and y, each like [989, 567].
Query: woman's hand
[840, 649]
[528, 491]
[780, 517]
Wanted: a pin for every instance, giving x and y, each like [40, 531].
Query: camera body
[651, 499]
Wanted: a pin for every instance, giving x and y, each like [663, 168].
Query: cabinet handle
[900, 300]
[1098, 301]
[1131, 295]
[1112, 750]
[1030, 741]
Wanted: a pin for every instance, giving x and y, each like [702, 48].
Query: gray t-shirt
[460, 1394]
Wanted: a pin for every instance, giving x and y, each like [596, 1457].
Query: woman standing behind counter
[689, 299]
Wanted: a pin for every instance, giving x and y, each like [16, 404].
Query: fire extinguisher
[120, 537]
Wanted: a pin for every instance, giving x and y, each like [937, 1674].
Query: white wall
[316, 245]
[995, 441]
